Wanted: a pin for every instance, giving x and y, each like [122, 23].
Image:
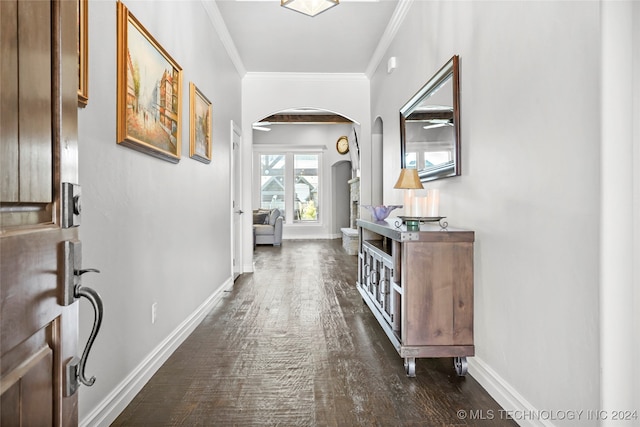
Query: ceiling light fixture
[309, 7]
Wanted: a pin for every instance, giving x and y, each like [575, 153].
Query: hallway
[293, 344]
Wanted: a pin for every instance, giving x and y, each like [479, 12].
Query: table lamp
[409, 181]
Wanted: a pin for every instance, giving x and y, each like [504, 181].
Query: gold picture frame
[149, 104]
[200, 112]
[83, 52]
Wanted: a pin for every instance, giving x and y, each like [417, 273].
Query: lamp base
[412, 224]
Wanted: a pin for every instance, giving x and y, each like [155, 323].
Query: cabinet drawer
[377, 247]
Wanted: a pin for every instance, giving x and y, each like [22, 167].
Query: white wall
[636, 194]
[284, 138]
[617, 251]
[530, 184]
[341, 173]
[159, 232]
[264, 94]
[620, 251]
[377, 163]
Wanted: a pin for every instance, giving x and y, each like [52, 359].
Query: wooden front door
[38, 152]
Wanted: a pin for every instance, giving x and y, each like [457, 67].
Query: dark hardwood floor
[293, 344]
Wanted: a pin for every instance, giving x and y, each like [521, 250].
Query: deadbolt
[71, 207]
[76, 205]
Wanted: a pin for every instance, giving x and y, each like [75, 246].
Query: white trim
[504, 393]
[389, 34]
[330, 77]
[636, 195]
[223, 32]
[331, 236]
[116, 401]
[616, 208]
[284, 148]
[211, 8]
[233, 186]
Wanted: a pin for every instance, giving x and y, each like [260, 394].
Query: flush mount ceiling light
[309, 7]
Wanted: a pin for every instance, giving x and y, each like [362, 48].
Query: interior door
[236, 194]
[38, 152]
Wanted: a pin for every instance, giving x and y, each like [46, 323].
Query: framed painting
[83, 53]
[199, 125]
[149, 99]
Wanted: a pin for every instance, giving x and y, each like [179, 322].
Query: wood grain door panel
[28, 384]
[38, 125]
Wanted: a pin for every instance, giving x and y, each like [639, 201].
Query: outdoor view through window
[290, 181]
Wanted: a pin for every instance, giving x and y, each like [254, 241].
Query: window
[427, 159]
[290, 182]
[305, 171]
[272, 170]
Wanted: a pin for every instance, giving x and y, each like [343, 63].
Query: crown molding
[306, 76]
[214, 15]
[285, 148]
[387, 37]
[399, 14]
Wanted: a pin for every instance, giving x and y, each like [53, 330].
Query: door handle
[240, 211]
[75, 368]
[74, 290]
[96, 302]
[87, 270]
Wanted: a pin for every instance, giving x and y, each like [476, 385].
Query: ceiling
[271, 39]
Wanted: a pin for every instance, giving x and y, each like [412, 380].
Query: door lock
[71, 207]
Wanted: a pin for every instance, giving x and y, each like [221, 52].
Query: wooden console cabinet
[419, 286]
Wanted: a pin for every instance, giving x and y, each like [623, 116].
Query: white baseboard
[116, 401]
[523, 412]
[311, 236]
[109, 409]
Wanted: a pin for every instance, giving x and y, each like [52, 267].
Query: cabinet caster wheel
[410, 366]
[460, 363]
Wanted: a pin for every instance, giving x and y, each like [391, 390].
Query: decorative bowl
[380, 212]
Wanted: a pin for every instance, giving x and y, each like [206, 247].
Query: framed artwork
[199, 125]
[149, 99]
[83, 53]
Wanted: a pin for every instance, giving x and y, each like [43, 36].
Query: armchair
[267, 226]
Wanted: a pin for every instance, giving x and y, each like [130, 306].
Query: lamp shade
[409, 180]
[309, 7]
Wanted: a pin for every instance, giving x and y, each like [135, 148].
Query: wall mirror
[430, 126]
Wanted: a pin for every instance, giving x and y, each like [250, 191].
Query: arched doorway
[285, 140]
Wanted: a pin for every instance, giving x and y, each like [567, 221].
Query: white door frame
[235, 194]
